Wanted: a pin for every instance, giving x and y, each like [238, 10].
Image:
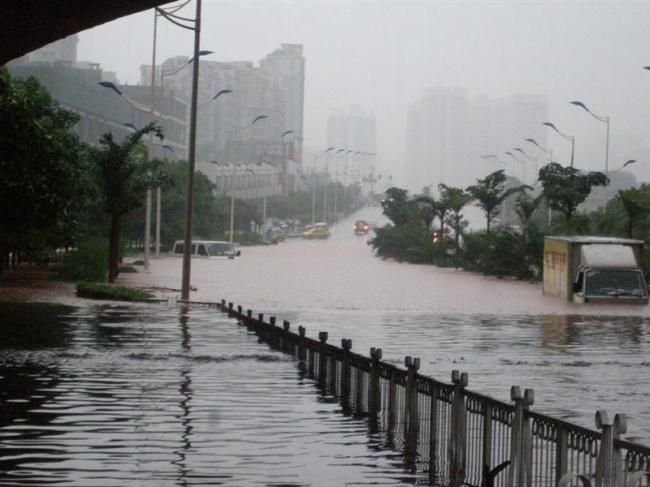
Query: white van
[207, 249]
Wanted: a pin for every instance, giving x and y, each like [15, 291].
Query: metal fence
[451, 435]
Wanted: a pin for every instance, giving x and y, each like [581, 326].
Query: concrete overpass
[26, 25]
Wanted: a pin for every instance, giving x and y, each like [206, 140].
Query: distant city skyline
[383, 55]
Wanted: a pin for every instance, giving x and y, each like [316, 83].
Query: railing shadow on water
[451, 435]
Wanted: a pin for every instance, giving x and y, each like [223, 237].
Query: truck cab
[594, 270]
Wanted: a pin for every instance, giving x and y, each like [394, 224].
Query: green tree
[396, 206]
[636, 206]
[123, 175]
[426, 210]
[564, 188]
[456, 199]
[41, 166]
[490, 193]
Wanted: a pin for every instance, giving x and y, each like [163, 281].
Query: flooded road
[503, 332]
[154, 396]
[158, 395]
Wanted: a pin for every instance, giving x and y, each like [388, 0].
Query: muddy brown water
[107, 394]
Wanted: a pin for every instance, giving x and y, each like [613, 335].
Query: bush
[95, 290]
[88, 263]
[504, 252]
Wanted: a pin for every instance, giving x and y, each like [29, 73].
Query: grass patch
[104, 291]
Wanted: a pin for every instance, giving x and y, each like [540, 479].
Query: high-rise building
[448, 131]
[225, 135]
[288, 64]
[356, 132]
[101, 110]
[436, 126]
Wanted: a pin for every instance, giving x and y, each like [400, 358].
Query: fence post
[359, 389]
[248, 321]
[392, 401]
[223, 305]
[521, 446]
[230, 305]
[609, 466]
[322, 358]
[334, 358]
[261, 327]
[274, 337]
[239, 309]
[433, 435]
[374, 388]
[346, 373]
[457, 448]
[287, 343]
[412, 366]
[487, 438]
[301, 344]
[562, 453]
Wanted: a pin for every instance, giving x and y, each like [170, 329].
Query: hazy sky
[383, 54]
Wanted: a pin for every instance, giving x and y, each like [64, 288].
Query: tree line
[424, 229]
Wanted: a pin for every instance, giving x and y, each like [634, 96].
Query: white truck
[594, 270]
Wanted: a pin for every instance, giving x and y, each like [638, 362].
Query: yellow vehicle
[317, 230]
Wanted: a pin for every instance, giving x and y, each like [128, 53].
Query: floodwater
[158, 395]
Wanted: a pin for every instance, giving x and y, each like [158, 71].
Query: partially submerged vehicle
[595, 270]
[317, 230]
[207, 249]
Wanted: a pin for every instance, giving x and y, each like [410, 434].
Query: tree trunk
[113, 247]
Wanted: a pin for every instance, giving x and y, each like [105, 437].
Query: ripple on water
[148, 396]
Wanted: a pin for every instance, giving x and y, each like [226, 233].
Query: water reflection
[185, 390]
[155, 396]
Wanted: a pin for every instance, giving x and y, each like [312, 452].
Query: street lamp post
[600, 118]
[625, 164]
[530, 158]
[232, 182]
[523, 165]
[189, 206]
[567, 137]
[546, 151]
[336, 180]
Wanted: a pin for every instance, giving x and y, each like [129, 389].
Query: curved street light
[523, 165]
[232, 183]
[626, 163]
[567, 137]
[543, 149]
[600, 118]
[530, 158]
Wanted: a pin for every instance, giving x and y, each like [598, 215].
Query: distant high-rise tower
[356, 130]
[448, 131]
[288, 64]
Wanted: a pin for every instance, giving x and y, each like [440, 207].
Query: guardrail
[456, 436]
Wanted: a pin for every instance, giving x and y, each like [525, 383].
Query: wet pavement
[578, 358]
[149, 395]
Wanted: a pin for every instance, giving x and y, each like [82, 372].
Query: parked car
[208, 249]
[317, 230]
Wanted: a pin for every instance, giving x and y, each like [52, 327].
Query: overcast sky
[383, 54]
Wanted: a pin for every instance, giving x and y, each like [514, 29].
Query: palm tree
[490, 193]
[456, 199]
[124, 174]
